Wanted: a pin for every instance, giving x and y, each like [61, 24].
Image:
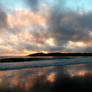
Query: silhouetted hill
[61, 54]
[43, 56]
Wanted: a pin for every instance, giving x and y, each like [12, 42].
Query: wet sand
[47, 79]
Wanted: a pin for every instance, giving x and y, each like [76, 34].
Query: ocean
[43, 63]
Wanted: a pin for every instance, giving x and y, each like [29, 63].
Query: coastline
[44, 63]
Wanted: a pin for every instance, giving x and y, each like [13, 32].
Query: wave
[46, 63]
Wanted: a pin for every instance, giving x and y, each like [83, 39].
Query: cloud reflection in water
[50, 79]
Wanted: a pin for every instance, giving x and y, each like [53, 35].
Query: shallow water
[47, 79]
[45, 63]
[74, 74]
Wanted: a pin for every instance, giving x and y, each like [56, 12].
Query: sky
[32, 26]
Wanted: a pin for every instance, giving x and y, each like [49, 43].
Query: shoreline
[37, 58]
[26, 65]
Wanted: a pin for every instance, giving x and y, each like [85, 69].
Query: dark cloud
[69, 25]
[33, 4]
[88, 49]
[3, 18]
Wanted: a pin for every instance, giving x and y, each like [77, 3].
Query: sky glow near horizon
[30, 26]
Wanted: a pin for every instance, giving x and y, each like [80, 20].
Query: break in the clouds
[29, 26]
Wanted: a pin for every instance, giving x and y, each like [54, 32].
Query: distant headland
[61, 54]
[44, 56]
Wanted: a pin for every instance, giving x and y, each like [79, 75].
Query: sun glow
[44, 52]
[27, 52]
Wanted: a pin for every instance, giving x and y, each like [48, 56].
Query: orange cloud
[88, 42]
[26, 18]
[50, 42]
[77, 44]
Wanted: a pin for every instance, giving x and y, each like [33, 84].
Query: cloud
[56, 29]
[3, 18]
[68, 26]
[26, 18]
[33, 4]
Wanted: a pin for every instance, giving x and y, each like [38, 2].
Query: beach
[46, 76]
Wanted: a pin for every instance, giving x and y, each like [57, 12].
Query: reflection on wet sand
[50, 79]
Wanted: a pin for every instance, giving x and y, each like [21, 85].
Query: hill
[61, 54]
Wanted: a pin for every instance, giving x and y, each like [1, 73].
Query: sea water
[76, 77]
[44, 63]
